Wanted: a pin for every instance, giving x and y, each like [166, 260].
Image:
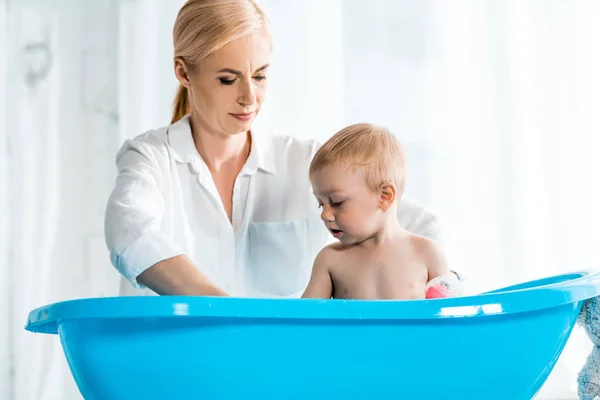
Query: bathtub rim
[534, 295]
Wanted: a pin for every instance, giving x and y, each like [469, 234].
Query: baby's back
[394, 270]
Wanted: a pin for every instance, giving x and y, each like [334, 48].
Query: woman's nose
[247, 95]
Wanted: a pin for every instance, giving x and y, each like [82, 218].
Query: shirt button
[236, 225]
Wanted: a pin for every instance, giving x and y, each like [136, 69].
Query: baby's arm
[320, 285]
[441, 282]
[435, 260]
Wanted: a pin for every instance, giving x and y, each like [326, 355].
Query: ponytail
[181, 104]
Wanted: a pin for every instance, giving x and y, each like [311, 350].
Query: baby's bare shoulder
[331, 251]
[432, 255]
[331, 255]
[423, 245]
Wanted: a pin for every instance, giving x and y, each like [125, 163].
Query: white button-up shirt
[165, 203]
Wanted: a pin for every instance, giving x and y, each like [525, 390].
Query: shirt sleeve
[415, 218]
[135, 210]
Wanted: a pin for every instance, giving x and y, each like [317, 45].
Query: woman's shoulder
[151, 143]
[290, 148]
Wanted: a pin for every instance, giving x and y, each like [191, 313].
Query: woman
[208, 205]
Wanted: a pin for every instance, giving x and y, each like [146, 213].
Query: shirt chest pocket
[281, 254]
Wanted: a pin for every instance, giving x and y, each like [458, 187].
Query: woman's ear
[181, 72]
[387, 195]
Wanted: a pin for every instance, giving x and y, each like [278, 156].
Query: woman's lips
[243, 117]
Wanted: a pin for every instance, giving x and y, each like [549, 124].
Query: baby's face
[350, 209]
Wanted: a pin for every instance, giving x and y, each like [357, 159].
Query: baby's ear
[387, 195]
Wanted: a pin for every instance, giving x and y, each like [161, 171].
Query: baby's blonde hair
[372, 149]
[204, 26]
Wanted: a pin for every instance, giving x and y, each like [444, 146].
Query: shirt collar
[180, 140]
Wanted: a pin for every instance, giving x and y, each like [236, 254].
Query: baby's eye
[336, 204]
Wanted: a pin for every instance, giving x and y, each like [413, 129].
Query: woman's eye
[226, 81]
[260, 77]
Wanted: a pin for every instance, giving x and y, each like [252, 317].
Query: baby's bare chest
[391, 275]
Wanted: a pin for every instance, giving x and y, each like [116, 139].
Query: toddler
[358, 179]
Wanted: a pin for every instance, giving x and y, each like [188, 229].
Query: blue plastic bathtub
[499, 345]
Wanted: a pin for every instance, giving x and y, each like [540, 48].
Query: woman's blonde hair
[372, 149]
[203, 27]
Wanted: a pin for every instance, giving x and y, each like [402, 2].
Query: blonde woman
[208, 205]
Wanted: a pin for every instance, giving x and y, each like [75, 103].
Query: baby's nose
[326, 215]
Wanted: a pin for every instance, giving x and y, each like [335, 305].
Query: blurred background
[496, 102]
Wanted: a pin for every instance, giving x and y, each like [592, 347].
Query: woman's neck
[221, 151]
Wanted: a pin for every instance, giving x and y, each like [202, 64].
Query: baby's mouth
[336, 232]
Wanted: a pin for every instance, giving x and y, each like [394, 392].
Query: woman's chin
[239, 127]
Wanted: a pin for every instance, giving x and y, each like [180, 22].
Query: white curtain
[61, 128]
[497, 103]
[35, 178]
[5, 366]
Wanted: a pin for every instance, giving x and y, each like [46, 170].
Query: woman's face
[228, 87]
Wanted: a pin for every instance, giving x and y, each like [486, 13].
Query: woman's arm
[178, 276]
[139, 249]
